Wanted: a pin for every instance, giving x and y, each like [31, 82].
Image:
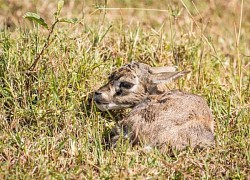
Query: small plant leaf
[35, 17]
[59, 7]
[68, 20]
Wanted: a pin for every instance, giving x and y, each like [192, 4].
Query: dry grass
[50, 129]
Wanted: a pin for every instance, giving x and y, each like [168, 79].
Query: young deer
[158, 118]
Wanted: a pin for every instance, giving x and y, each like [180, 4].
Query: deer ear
[157, 70]
[166, 77]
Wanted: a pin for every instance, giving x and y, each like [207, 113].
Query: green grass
[49, 128]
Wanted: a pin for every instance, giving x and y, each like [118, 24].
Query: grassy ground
[50, 129]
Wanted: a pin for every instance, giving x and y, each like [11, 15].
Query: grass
[49, 128]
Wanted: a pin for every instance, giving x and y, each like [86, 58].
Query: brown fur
[158, 118]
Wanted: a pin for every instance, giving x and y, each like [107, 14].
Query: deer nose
[98, 97]
[98, 93]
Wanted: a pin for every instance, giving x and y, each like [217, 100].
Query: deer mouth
[100, 102]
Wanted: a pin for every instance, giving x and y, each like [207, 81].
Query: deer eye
[126, 85]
